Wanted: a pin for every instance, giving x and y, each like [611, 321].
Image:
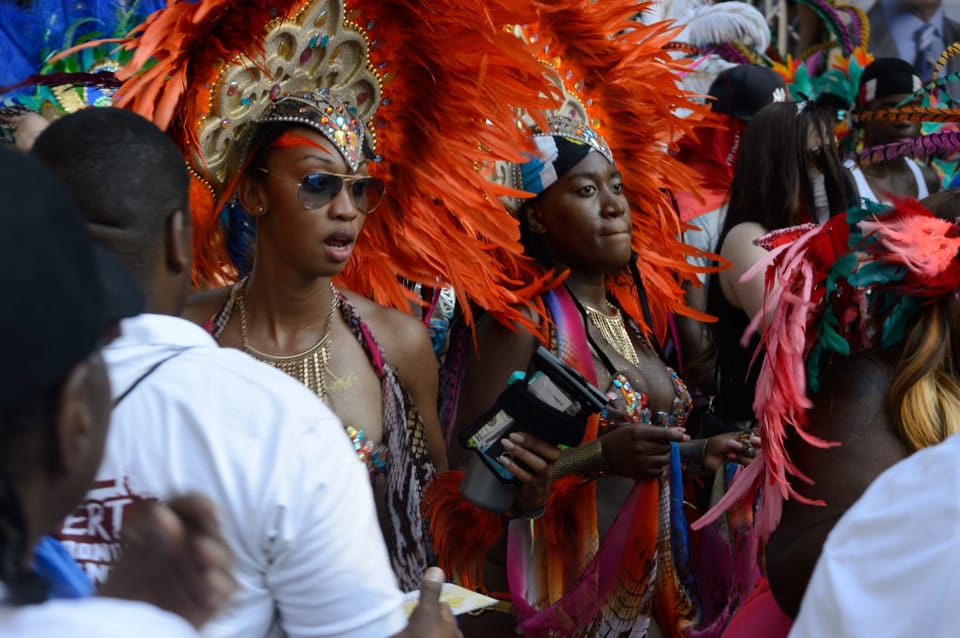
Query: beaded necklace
[310, 366]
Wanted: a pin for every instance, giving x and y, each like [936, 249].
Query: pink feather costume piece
[920, 252]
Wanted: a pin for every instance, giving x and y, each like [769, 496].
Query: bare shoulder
[403, 337]
[498, 341]
[742, 236]
[851, 411]
[203, 305]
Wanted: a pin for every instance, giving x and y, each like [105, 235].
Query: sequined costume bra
[637, 403]
[373, 455]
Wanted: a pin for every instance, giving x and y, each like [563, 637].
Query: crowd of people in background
[431, 319]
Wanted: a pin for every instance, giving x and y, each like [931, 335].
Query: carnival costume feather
[716, 37]
[854, 283]
[428, 90]
[620, 73]
[929, 104]
[435, 86]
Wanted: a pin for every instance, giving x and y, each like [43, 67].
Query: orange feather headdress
[435, 85]
[621, 81]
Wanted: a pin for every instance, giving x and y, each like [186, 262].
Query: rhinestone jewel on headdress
[574, 129]
[317, 49]
[328, 115]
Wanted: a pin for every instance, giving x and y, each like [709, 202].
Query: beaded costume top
[373, 455]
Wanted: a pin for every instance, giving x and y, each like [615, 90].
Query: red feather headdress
[619, 72]
[437, 84]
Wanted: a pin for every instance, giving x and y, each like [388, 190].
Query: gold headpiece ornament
[314, 70]
[569, 121]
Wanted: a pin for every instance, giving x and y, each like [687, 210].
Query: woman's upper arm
[740, 249]
[849, 410]
[418, 369]
[500, 351]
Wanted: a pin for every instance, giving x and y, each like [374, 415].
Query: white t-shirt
[867, 194]
[91, 618]
[294, 501]
[706, 238]
[891, 566]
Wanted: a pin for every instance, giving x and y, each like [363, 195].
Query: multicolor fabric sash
[553, 592]
[564, 581]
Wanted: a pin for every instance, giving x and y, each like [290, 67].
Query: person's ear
[74, 428]
[252, 194]
[178, 242]
[535, 220]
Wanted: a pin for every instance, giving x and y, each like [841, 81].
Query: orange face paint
[290, 140]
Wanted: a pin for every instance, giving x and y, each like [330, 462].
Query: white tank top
[866, 193]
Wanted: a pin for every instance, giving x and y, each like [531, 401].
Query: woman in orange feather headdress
[607, 553]
[348, 135]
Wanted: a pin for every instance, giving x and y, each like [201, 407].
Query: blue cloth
[54, 564]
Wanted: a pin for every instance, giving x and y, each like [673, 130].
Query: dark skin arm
[504, 351]
[499, 352]
[634, 451]
[416, 365]
[850, 409]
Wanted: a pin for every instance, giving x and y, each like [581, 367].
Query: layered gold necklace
[614, 332]
[310, 366]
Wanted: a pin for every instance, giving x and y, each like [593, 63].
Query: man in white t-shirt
[891, 566]
[63, 298]
[294, 500]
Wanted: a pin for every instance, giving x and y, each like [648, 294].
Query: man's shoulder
[218, 382]
[89, 617]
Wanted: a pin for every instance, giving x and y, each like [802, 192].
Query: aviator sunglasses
[317, 189]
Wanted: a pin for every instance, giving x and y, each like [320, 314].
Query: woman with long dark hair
[788, 172]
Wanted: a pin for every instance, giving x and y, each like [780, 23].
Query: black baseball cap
[743, 90]
[887, 76]
[62, 292]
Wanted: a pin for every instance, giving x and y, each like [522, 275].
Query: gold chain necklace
[310, 366]
[614, 332]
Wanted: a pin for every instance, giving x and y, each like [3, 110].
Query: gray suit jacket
[882, 44]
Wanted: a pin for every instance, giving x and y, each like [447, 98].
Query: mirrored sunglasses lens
[319, 189]
[367, 193]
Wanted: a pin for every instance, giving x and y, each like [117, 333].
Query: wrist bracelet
[693, 452]
[586, 459]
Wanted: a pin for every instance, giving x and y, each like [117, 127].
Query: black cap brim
[122, 295]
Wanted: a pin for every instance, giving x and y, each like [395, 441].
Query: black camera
[552, 401]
